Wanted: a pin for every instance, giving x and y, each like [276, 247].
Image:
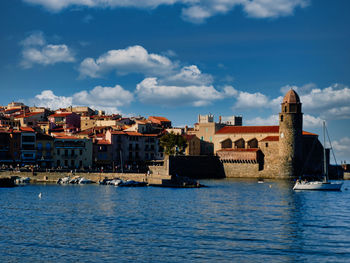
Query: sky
[181, 58]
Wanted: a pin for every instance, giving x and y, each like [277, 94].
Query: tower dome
[291, 97]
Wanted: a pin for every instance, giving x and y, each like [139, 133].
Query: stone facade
[283, 151]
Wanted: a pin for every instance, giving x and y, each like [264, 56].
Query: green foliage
[173, 144]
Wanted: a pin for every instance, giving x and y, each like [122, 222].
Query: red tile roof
[309, 133]
[27, 129]
[248, 129]
[163, 119]
[62, 114]
[270, 139]
[104, 142]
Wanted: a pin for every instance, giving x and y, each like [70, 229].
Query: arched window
[226, 144]
[240, 144]
[253, 143]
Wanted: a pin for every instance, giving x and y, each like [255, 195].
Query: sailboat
[325, 184]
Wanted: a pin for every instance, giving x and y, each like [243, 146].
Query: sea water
[229, 221]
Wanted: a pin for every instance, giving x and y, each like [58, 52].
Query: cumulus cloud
[259, 121]
[195, 11]
[150, 91]
[342, 148]
[37, 51]
[251, 100]
[328, 103]
[189, 75]
[102, 98]
[48, 99]
[134, 59]
[310, 121]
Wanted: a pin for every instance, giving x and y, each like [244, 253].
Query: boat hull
[318, 186]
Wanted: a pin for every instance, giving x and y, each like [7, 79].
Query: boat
[325, 184]
[84, 180]
[63, 180]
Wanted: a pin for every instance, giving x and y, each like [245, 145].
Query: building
[134, 148]
[205, 130]
[193, 145]
[72, 152]
[68, 121]
[45, 150]
[162, 121]
[30, 119]
[28, 146]
[270, 151]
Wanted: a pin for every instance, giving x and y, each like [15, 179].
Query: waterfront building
[72, 152]
[28, 146]
[193, 145]
[45, 150]
[133, 147]
[270, 151]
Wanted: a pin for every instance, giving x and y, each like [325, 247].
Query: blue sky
[180, 58]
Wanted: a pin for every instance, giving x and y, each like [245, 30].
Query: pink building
[69, 121]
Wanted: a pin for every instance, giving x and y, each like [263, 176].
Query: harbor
[231, 220]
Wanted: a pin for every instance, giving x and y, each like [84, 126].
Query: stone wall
[196, 166]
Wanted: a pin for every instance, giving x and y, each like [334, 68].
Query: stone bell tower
[290, 135]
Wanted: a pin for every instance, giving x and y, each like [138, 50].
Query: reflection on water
[232, 220]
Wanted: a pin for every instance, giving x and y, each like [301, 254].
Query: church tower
[290, 135]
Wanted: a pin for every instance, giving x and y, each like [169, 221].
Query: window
[281, 117]
[65, 162]
[267, 144]
[72, 163]
[58, 163]
[40, 146]
[65, 152]
[202, 138]
[72, 152]
[80, 163]
[81, 152]
[58, 151]
[48, 146]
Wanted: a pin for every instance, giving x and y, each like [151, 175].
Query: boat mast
[325, 170]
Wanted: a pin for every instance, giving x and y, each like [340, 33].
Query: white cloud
[330, 102]
[310, 121]
[102, 98]
[342, 148]
[230, 91]
[251, 100]
[48, 99]
[189, 75]
[272, 8]
[149, 91]
[134, 59]
[195, 11]
[36, 51]
[259, 121]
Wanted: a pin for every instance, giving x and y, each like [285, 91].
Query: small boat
[63, 180]
[23, 180]
[116, 182]
[132, 183]
[83, 180]
[325, 184]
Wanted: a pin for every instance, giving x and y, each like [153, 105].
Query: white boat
[63, 180]
[83, 180]
[318, 185]
[324, 185]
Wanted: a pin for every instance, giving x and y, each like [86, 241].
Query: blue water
[230, 221]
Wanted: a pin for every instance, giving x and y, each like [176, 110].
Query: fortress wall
[196, 166]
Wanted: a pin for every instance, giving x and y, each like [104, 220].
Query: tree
[173, 144]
